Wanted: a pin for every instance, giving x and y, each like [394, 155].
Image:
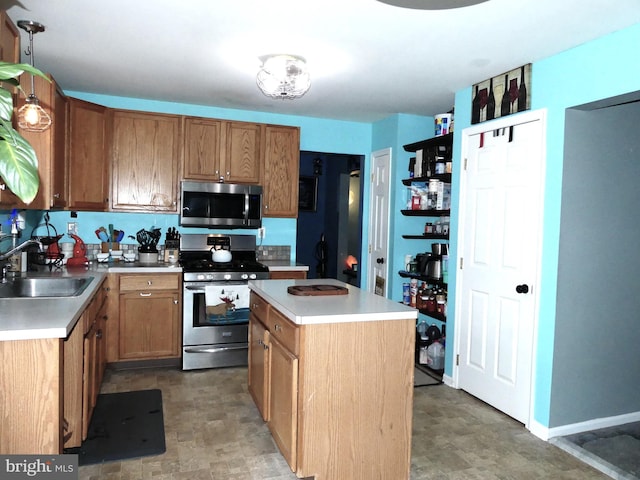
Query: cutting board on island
[316, 290]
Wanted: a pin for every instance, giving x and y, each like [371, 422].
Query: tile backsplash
[274, 252]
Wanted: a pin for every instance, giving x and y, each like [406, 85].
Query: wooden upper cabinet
[241, 159]
[51, 155]
[146, 157]
[88, 168]
[216, 150]
[60, 173]
[9, 39]
[202, 148]
[281, 171]
[9, 52]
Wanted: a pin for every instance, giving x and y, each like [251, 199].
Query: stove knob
[209, 276]
[227, 276]
[244, 276]
[200, 276]
[252, 276]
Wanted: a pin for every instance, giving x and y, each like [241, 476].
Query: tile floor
[213, 432]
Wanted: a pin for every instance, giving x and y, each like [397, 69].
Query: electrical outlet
[72, 227]
[261, 232]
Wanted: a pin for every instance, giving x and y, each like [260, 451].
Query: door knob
[380, 260]
[524, 288]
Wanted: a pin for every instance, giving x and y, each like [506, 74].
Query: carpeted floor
[613, 450]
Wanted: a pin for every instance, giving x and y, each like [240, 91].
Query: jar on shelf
[428, 228]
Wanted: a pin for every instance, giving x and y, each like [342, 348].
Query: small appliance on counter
[148, 250]
[79, 258]
[171, 246]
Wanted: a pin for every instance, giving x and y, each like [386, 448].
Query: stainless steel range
[215, 316]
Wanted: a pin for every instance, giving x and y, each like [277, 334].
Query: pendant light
[31, 116]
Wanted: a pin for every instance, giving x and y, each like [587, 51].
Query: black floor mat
[124, 425]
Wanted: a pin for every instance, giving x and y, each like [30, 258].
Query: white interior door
[379, 222]
[499, 250]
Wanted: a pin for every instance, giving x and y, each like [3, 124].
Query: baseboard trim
[589, 425]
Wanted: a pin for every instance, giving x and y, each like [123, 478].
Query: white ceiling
[367, 59]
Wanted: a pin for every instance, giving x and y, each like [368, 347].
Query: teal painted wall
[593, 71]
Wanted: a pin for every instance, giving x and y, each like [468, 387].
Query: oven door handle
[214, 349]
[194, 289]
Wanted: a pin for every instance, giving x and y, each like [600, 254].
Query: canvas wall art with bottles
[502, 95]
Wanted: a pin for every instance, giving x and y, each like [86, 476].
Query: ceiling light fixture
[432, 4]
[32, 116]
[283, 76]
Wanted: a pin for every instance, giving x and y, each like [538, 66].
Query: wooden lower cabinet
[149, 316]
[84, 364]
[337, 404]
[287, 274]
[46, 379]
[258, 365]
[283, 395]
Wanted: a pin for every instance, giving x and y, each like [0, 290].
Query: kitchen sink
[37, 287]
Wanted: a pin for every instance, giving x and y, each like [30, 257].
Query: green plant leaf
[6, 104]
[10, 71]
[18, 165]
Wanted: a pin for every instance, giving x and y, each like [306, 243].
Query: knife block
[105, 246]
[171, 251]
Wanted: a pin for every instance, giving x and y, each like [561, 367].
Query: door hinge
[461, 262]
[465, 164]
[457, 360]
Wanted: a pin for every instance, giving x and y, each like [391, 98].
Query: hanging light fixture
[432, 4]
[283, 76]
[31, 116]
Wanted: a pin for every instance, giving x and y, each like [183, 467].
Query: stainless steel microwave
[220, 205]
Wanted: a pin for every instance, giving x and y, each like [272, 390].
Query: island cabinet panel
[356, 401]
[259, 365]
[146, 153]
[340, 394]
[283, 401]
[31, 416]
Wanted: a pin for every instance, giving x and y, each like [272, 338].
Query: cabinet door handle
[144, 294]
[278, 328]
[99, 334]
[149, 282]
[175, 302]
[56, 195]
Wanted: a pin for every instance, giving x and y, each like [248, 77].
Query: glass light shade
[32, 117]
[432, 4]
[283, 76]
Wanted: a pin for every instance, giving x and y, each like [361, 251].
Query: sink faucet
[5, 256]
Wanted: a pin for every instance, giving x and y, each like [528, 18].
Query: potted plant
[18, 161]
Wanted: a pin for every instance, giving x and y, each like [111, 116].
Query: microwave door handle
[246, 209]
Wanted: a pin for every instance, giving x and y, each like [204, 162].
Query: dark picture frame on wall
[502, 95]
[308, 194]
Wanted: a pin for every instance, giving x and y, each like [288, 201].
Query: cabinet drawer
[146, 282]
[284, 330]
[259, 307]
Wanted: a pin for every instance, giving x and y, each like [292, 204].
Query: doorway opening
[329, 229]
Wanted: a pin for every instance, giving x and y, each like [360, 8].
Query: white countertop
[284, 266]
[46, 317]
[136, 267]
[356, 306]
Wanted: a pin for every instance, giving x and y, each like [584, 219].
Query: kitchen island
[333, 378]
